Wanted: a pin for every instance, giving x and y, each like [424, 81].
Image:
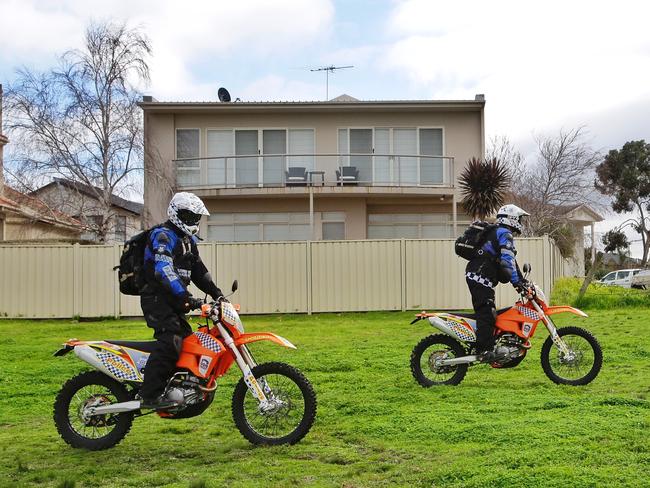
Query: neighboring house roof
[571, 210]
[345, 98]
[90, 191]
[36, 209]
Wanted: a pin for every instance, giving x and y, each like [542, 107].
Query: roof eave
[446, 105]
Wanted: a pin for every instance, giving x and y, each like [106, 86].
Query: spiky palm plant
[483, 185]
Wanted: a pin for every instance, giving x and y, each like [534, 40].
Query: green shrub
[597, 296]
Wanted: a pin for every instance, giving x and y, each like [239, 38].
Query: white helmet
[185, 211]
[510, 216]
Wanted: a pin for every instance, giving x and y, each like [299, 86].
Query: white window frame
[202, 170]
[259, 223]
[260, 149]
[419, 224]
[443, 155]
[392, 163]
[230, 172]
[325, 220]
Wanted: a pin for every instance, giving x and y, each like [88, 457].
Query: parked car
[622, 277]
[641, 280]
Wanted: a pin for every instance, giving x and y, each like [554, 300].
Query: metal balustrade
[332, 169]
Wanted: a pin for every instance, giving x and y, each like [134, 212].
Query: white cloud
[277, 88]
[187, 38]
[537, 63]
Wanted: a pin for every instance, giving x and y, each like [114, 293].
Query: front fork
[246, 362]
[552, 330]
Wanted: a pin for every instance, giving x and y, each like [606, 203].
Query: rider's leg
[170, 330]
[484, 308]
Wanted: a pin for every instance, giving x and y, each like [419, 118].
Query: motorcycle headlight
[540, 294]
[229, 316]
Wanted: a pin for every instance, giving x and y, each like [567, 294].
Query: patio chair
[347, 175]
[296, 176]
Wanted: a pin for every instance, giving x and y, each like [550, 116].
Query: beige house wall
[356, 209]
[462, 138]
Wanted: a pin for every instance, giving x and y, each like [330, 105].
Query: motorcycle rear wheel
[295, 415]
[588, 355]
[425, 353]
[97, 432]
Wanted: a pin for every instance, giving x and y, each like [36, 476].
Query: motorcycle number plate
[204, 364]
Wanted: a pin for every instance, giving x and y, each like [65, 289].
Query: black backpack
[470, 243]
[131, 268]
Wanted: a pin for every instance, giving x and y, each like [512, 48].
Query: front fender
[263, 336]
[564, 308]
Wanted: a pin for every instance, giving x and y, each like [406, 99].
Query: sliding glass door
[360, 150]
[273, 142]
[405, 144]
[431, 169]
[247, 168]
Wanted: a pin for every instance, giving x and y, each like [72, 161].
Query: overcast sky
[541, 65]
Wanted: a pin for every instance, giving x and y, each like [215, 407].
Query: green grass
[597, 296]
[375, 425]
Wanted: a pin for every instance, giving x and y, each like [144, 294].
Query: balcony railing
[280, 170]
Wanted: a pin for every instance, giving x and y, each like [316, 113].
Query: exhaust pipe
[115, 408]
[460, 360]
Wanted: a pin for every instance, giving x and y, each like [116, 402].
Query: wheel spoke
[286, 415]
[579, 362]
[96, 426]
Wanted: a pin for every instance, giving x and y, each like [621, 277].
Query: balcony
[315, 170]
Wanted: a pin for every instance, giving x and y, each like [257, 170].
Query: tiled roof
[34, 208]
[92, 192]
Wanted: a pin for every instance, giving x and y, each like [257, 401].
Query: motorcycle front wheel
[98, 432]
[432, 348]
[581, 366]
[291, 411]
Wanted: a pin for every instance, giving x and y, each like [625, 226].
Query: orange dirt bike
[570, 355]
[273, 403]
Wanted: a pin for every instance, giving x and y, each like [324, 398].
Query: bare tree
[503, 150]
[80, 121]
[560, 178]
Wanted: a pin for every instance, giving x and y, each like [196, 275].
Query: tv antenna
[329, 69]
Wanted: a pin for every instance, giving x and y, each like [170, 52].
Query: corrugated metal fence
[325, 276]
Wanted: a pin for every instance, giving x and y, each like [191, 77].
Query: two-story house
[339, 169]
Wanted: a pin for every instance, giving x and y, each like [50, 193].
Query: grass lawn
[375, 425]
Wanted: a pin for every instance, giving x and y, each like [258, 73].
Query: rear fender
[564, 308]
[104, 356]
[263, 336]
[454, 326]
[64, 350]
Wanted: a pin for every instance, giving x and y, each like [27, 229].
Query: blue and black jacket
[501, 247]
[171, 262]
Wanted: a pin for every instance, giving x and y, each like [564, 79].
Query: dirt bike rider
[495, 263]
[171, 261]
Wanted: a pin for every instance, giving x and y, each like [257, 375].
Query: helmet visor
[188, 217]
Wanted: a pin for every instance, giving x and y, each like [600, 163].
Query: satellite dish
[223, 95]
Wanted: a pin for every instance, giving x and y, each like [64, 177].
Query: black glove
[525, 288]
[193, 304]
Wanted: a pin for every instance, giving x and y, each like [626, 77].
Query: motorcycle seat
[473, 315]
[144, 346]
